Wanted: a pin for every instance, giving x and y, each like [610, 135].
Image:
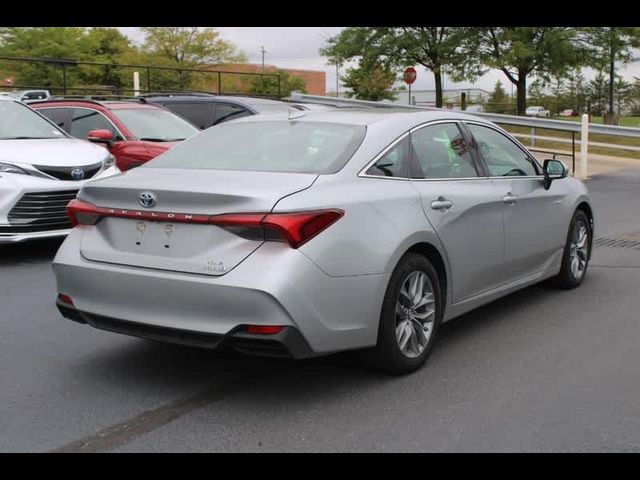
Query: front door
[464, 208]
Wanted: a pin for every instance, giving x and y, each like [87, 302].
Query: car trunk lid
[166, 236]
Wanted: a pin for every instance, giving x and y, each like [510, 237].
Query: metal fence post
[584, 147]
[148, 80]
[279, 91]
[219, 83]
[64, 78]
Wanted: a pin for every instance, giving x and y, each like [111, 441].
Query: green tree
[497, 102]
[520, 52]
[370, 80]
[607, 45]
[439, 49]
[268, 85]
[108, 45]
[185, 47]
[53, 43]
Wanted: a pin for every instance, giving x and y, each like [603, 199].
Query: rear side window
[394, 163]
[200, 114]
[440, 151]
[274, 146]
[226, 112]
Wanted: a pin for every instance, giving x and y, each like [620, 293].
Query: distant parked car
[205, 110]
[41, 170]
[537, 112]
[27, 96]
[132, 131]
[569, 112]
[475, 109]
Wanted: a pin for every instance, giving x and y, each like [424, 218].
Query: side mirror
[101, 135]
[554, 170]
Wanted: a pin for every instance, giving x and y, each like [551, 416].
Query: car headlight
[8, 168]
[109, 161]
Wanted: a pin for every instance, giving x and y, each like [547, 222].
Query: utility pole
[263, 52]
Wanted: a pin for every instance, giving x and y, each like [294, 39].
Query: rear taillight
[81, 213]
[65, 299]
[295, 228]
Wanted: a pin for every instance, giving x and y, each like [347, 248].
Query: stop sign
[410, 75]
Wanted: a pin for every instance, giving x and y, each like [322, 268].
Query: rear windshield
[272, 146]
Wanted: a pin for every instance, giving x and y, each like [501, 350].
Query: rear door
[463, 206]
[533, 230]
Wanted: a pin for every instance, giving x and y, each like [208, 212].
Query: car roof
[255, 104]
[368, 116]
[107, 104]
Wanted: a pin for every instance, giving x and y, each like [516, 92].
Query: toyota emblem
[77, 174]
[147, 200]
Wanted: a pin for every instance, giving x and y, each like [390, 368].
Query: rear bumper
[288, 343]
[276, 285]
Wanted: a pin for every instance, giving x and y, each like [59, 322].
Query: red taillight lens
[65, 299]
[264, 329]
[83, 213]
[296, 228]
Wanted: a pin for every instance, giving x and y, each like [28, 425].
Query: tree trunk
[521, 87]
[438, 79]
[612, 78]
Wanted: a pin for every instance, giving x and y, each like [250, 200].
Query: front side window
[20, 122]
[502, 156]
[440, 151]
[273, 146]
[83, 120]
[56, 115]
[394, 163]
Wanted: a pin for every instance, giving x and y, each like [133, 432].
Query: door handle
[441, 204]
[510, 198]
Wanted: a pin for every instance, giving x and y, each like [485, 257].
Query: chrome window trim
[382, 153]
[515, 142]
[93, 110]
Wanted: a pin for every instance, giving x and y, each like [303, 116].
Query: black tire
[387, 355]
[566, 278]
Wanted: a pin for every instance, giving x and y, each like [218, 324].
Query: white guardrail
[584, 128]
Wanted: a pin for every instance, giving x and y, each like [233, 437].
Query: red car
[133, 131]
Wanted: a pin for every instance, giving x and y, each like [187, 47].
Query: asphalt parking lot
[540, 370]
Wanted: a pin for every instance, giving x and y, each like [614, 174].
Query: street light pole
[263, 52]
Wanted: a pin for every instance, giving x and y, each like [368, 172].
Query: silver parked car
[322, 232]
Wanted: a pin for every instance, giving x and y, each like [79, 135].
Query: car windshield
[272, 146]
[155, 124]
[18, 122]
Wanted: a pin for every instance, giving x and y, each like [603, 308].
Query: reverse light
[264, 329]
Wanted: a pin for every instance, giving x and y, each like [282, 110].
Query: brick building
[315, 80]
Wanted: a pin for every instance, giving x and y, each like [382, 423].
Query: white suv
[537, 112]
[41, 170]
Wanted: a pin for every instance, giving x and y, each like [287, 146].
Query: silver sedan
[322, 231]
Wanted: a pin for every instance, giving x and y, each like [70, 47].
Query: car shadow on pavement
[139, 364]
[33, 251]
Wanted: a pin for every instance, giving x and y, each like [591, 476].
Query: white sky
[298, 47]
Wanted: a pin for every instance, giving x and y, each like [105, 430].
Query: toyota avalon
[322, 231]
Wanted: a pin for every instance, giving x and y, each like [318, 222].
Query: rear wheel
[576, 253]
[411, 315]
